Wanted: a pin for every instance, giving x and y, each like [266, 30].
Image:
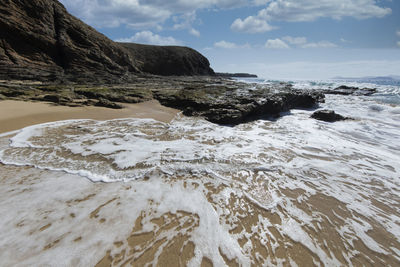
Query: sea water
[287, 191]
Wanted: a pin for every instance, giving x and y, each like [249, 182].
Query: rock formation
[328, 116]
[40, 40]
[350, 90]
[169, 60]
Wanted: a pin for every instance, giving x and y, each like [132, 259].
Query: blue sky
[276, 39]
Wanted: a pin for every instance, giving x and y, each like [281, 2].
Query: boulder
[327, 115]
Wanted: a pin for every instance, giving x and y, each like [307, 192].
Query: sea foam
[323, 187]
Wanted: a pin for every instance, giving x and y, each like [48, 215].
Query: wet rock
[58, 99]
[108, 104]
[232, 106]
[349, 90]
[327, 115]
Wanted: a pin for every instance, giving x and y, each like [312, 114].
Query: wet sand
[15, 115]
[51, 217]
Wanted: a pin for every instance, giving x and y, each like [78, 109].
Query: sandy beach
[15, 115]
[187, 192]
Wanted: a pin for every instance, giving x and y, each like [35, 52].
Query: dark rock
[169, 60]
[328, 116]
[55, 99]
[108, 104]
[51, 98]
[231, 106]
[349, 90]
[41, 41]
[235, 75]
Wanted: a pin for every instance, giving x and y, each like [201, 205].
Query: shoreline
[15, 115]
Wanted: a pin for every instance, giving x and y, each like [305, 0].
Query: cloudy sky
[276, 39]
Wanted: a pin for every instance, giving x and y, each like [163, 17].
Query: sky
[275, 39]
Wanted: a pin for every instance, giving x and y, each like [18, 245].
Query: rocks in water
[235, 75]
[232, 106]
[40, 40]
[169, 60]
[327, 115]
[350, 90]
[218, 100]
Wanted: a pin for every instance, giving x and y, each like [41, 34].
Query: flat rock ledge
[350, 90]
[241, 103]
[218, 100]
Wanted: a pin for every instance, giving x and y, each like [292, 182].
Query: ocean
[289, 191]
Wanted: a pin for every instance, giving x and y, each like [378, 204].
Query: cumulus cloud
[295, 40]
[310, 10]
[276, 44]
[229, 45]
[194, 32]
[185, 21]
[251, 25]
[148, 37]
[321, 44]
[302, 42]
[139, 14]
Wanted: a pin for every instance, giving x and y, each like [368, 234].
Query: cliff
[40, 40]
[169, 60]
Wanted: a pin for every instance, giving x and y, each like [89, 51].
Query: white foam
[352, 162]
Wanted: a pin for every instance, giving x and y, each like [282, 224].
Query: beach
[147, 185]
[18, 114]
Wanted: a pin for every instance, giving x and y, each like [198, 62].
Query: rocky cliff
[40, 40]
[169, 60]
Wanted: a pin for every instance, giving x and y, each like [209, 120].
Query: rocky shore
[46, 54]
[218, 100]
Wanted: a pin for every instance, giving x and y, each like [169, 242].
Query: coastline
[15, 115]
[266, 193]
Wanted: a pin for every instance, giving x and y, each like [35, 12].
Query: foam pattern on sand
[291, 191]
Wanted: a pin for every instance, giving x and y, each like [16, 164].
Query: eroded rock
[328, 116]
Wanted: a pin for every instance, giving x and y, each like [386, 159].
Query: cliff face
[169, 60]
[40, 40]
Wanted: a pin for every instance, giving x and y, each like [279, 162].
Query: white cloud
[310, 10]
[295, 40]
[276, 44]
[194, 32]
[147, 37]
[321, 44]
[398, 33]
[303, 43]
[398, 44]
[345, 41]
[229, 45]
[139, 14]
[251, 25]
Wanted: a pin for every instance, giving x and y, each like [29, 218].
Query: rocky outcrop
[40, 40]
[216, 99]
[228, 105]
[235, 75]
[328, 116]
[350, 90]
[169, 60]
